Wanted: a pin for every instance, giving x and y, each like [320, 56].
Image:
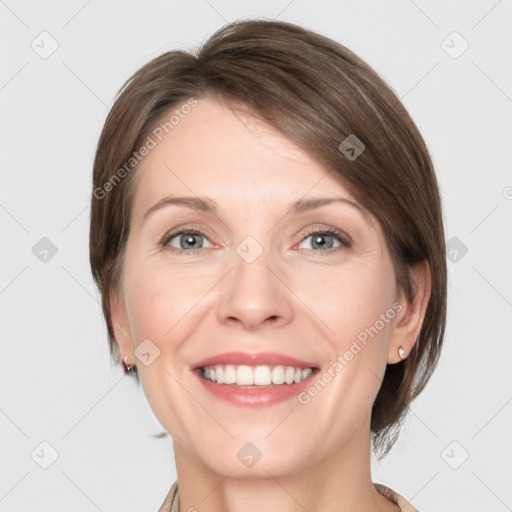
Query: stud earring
[128, 367]
[401, 352]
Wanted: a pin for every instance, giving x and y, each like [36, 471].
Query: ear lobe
[406, 328]
[120, 325]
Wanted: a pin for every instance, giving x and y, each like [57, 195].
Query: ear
[407, 323]
[121, 327]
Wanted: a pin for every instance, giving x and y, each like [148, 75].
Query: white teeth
[244, 376]
[278, 375]
[264, 375]
[219, 374]
[229, 374]
[306, 373]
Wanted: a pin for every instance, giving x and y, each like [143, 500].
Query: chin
[248, 460]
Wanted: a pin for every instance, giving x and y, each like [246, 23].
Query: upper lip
[254, 359]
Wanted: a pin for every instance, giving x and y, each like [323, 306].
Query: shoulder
[405, 506]
[170, 503]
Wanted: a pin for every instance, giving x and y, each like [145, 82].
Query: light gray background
[56, 381]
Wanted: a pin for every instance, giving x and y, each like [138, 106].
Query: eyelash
[342, 238]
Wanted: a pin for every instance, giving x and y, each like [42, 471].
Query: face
[246, 271]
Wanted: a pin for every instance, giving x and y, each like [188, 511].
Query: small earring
[401, 352]
[128, 367]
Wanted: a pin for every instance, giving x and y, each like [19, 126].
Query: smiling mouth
[260, 376]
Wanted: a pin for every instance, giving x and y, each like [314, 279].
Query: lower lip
[252, 396]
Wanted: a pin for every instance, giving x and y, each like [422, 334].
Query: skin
[296, 298]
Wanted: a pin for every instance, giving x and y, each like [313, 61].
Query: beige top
[171, 503]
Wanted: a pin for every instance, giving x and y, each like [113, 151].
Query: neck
[341, 483]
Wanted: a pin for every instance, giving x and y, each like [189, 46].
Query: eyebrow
[206, 204]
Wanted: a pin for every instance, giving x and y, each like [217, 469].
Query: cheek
[356, 304]
[162, 301]
[349, 299]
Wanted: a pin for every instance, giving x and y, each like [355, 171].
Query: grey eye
[322, 240]
[188, 240]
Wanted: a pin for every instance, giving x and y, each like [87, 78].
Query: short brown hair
[317, 93]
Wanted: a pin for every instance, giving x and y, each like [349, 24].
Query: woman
[267, 236]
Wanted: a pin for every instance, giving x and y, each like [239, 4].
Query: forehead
[216, 152]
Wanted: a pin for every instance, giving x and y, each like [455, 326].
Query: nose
[255, 294]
